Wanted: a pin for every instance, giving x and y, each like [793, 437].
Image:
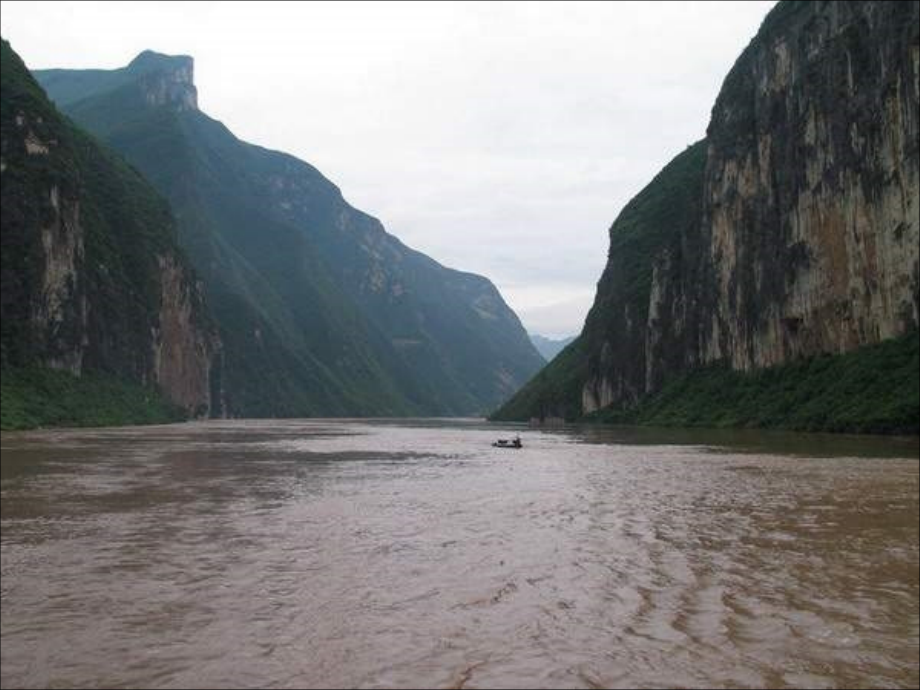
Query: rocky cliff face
[61, 308]
[640, 323]
[811, 195]
[166, 80]
[92, 278]
[183, 349]
[803, 234]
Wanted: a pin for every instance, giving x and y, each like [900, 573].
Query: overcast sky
[499, 138]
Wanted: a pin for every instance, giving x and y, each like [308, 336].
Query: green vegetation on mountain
[321, 312]
[555, 392]
[38, 397]
[650, 222]
[871, 390]
[82, 237]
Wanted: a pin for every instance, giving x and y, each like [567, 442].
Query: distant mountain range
[319, 311]
[549, 347]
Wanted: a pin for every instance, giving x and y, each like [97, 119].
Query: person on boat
[516, 442]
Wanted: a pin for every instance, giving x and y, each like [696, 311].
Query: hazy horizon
[498, 138]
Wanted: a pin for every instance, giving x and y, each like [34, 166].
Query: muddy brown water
[337, 553]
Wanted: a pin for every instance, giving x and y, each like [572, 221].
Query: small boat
[505, 443]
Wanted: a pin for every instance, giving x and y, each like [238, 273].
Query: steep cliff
[92, 279]
[789, 232]
[321, 311]
[159, 79]
[811, 195]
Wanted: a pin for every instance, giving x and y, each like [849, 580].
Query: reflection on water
[347, 553]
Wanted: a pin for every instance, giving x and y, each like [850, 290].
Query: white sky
[499, 138]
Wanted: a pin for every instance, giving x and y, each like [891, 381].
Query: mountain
[320, 310]
[549, 347]
[93, 281]
[787, 236]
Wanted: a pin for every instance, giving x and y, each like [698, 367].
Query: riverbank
[873, 390]
[38, 397]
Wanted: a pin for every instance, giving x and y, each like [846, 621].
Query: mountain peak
[152, 61]
[167, 80]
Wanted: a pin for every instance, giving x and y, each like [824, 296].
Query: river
[349, 553]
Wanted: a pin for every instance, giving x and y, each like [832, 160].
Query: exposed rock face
[809, 231]
[166, 80]
[92, 278]
[182, 348]
[808, 241]
[811, 196]
[60, 310]
[46, 242]
[804, 235]
[57, 308]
